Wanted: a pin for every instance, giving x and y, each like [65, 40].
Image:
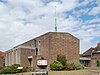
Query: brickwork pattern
[2, 61]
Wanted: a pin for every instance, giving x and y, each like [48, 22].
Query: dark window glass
[36, 51]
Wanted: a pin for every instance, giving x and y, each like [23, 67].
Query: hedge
[11, 69]
[98, 63]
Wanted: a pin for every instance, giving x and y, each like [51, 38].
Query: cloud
[85, 44]
[23, 20]
[95, 11]
[73, 4]
[98, 2]
[87, 34]
[95, 20]
[84, 3]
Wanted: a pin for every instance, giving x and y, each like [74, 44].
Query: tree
[62, 59]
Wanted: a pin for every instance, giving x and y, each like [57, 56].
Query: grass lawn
[77, 72]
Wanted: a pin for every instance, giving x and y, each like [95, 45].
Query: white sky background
[22, 20]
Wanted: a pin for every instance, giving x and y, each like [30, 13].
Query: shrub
[69, 66]
[56, 66]
[74, 66]
[62, 60]
[25, 69]
[11, 69]
[98, 63]
[5, 70]
[14, 68]
[1, 68]
[77, 66]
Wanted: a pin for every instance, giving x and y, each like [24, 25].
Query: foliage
[1, 68]
[61, 64]
[11, 69]
[74, 66]
[5, 70]
[62, 60]
[98, 63]
[56, 66]
[14, 68]
[69, 66]
[77, 66]
[25, 69]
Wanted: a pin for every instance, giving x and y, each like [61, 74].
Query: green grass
[76, 72]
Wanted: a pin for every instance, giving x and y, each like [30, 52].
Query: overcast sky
[22, 20]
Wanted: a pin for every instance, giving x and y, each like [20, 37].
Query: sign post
[20, 68]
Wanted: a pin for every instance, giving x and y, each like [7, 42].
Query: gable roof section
[48, 34]
[89, 51]
[95, 50]
[2, 53]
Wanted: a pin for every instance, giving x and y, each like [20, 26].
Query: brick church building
[48, 46]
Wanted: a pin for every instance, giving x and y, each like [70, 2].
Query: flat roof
[85, 58]
[21, 46]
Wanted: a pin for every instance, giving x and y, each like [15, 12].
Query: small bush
[24, 69]
[77, 66]
[98, 63]
[56, 66]
[74, 66]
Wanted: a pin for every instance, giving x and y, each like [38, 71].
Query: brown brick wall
[58, 46]
[24, 56]
[97, 56]
[64, 43]
[93, 63]
[98, 46]
[44, 45]
[73, 48]
[2, 61]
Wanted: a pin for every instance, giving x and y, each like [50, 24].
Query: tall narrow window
[39, 42]
[35, 43]
[36, 51]
[38, 47]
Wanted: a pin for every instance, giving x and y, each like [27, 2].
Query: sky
[22, 20]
